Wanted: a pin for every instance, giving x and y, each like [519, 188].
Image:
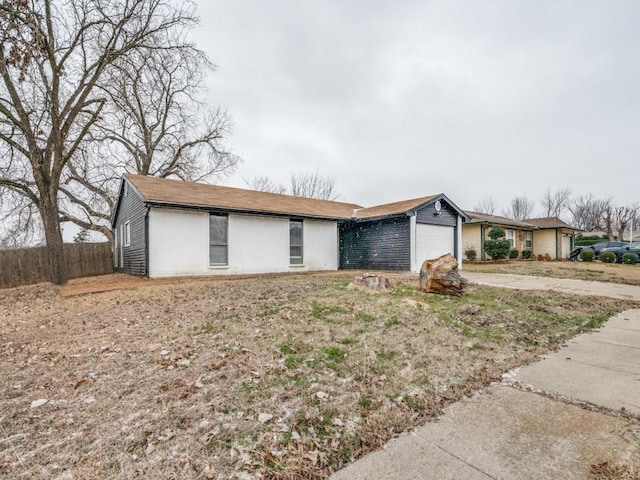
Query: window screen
[295, 242]
[218, 234]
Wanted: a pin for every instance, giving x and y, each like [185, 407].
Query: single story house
[548, 236]
[552, 237]
[476, 231]
[165, 227]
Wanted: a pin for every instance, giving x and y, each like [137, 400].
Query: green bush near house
[607, 257]
[514, 253]
[527, 253]
[470, 253]
[497, 248]
[630, 258]
[587, 255]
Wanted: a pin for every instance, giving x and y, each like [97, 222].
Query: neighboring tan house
[552, 237]
[166, 227]
[544, 236]
[476, 231]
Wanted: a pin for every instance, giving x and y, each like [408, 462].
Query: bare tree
[313, 185]
[310, 185]
[623, 216]
[596, 214]
[53, 57]
[554, 204]
[154, 124]
[486, 206]
[587, 211]
[265, 184]
[520, 208]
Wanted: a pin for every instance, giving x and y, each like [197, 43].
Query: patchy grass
[613, 471]
[594, 271]
[288, 377]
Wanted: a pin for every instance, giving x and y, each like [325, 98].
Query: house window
[528, 240]
[127, 234]
[218, 235]
[295, 242]
[511, 237]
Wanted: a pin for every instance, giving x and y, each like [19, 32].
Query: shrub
[513, 253]
[587, 255]
[527, 253]
[471, 254]
[496, 248]
[607, 257]
[630, 258]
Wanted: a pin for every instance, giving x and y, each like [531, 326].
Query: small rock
[322, 395]
[183, 362]
[264, 417]
[295, 436]
[198, 383]
[90, 400]
[38, 403]
[337, 422]
[66, 475]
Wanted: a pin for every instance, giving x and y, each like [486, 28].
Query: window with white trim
[295, 242]
[218, 240]
[528, 240]
[127, 234]
[510, 235]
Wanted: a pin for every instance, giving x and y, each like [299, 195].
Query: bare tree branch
[556, 203]
[519, 209]
[486, 206]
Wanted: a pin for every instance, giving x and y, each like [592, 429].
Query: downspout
[482, 242]
[146, 242]
[558, 235]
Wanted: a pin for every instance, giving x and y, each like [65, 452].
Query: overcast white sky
[405, 99]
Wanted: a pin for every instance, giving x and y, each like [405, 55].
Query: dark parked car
[596, 248]
[627, 248]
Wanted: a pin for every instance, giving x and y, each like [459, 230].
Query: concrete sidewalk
[520, 429]
[563, 285]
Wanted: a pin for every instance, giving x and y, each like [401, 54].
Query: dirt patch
[284, 376]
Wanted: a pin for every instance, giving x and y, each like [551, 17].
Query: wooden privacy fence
[29, 265]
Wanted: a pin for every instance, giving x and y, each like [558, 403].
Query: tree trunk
[53, 236]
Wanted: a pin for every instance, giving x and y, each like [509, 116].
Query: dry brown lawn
[594, 271]
[285, 376]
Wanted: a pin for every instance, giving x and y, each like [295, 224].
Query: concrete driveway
[554, 419]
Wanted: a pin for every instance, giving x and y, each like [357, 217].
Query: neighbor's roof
[392, 208]
[477, 217]
[178, 192]
[548, 222]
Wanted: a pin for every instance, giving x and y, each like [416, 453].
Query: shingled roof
[548, 222]
[477, 217]
[395, 208]
[177, 192]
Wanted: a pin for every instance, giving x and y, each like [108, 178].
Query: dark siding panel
[133, 210]
[382, 245]
[447, 217]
